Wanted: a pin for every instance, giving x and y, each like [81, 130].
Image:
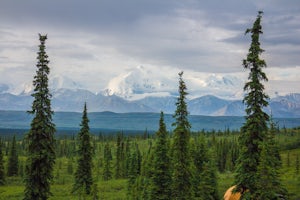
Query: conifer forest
[261, 159]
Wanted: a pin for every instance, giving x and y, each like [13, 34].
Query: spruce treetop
[162, 126]
[181, 112]
[256, 99]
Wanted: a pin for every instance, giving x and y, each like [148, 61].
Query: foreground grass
[114, 189]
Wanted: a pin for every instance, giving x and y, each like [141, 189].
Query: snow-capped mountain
[58, 82]
[139, 83]
[286, 106]
[141, 90]
[73, 100]
[144, 82]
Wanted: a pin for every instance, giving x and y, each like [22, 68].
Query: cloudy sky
[92, 41]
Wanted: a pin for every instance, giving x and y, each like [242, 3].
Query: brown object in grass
[229, 195]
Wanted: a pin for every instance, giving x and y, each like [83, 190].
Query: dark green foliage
[204, 179]
[40, 139]
[227, 151]
[6, 147]
[272, 146]
[288, 160]
[13, 160]
[2, 174]
[297, 165]
[145, 182]
[222, 149]
[208, 181]
[133, 174]
[161, 176]
[255, 127]
[120, 158]
[70, 169]
[181, 160]
[233, 154]
[21, 168]
[127, 162]
[181, 112]
[259, 161]
[95, 192]
[83, 174]
[268, 184]
[200, 157]
[107, 173]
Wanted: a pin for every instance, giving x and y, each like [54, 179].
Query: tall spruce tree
[181, 160]
[83, 174]
[2, 173]
[161, 176]
[256, 126]
[13, 159]
[40, 139]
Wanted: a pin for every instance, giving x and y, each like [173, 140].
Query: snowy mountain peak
[151, 81]
[139, 83]
[59, 81]
[55, 83]
[28, 88]
[221, 81]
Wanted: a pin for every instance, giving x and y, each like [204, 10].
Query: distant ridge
[107, 122]
[72, 100]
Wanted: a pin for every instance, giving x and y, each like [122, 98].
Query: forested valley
[123, 164]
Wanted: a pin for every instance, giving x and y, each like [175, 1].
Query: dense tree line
[13, 160]
[2, 172]
[203, 142]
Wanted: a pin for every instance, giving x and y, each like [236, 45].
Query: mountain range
[144, 90]
[73, 100]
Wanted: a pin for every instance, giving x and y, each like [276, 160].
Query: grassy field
[116, 189]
